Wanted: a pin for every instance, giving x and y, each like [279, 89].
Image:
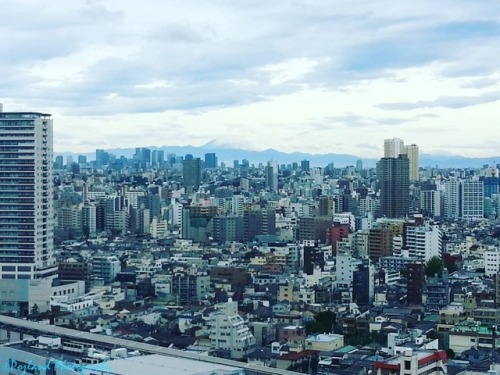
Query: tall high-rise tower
[393, 147]
[271, 175]
[394, 177]
[211, 160]
[412, 152]
[26, 189]
[191, 173]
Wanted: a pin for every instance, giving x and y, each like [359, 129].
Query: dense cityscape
[119, 265]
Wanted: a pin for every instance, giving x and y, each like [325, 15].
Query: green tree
[434, 266]
[324, 322]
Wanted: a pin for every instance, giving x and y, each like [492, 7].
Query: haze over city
[319, 77]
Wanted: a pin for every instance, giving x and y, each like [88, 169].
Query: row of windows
[17, 228]
[17, 250]
[27, 200]
[10, 260]
[19, 277]
[16, 208]
[16, 221]
[15, 148]
[15, 188]
[19, 268]
[16, 155]
[23, 181]
[18, 118]
[18, 135]
[64, 292]
[17, 194]
[18, 162]
[17, 233]
[15, 173]
[15, 168]
[17, 125]
[17, 142]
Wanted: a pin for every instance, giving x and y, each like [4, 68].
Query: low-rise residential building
[425, 362]
[471, 334]
[324, 342]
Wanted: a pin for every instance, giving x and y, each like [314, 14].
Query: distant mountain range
[227, 155]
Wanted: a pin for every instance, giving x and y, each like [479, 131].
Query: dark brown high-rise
[414, 283]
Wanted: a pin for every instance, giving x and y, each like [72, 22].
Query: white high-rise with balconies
[26, 202]
[396, 146]
[411, 152]
[452, 199]
[423, 241]
[472, 199]
[393, 147]
[228, 331]
[464, 199]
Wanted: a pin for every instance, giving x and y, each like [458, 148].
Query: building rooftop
[45, 352]
[155, 364]
[396, 360]
[327, 337]
[472, 328]
[24, 115]
[346, 349]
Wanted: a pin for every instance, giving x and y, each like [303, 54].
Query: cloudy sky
[302, 75]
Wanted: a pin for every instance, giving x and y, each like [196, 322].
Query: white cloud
[295, 76]
[289, 70]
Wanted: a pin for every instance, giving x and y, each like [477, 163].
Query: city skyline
[325, 79]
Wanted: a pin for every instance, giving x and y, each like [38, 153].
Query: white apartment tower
[237, 204]
[472, 199]
[491, 262]
[430, 202]
[411, 152]
[229, 332]
[423, 241]
[393, 147]
[464, 199]
[452, 199]
[26, 203]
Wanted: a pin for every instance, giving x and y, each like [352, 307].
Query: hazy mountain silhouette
[228, 154]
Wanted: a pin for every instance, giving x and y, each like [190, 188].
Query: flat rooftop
[15, 115]
[156, 364]
[396, 360]
[482, 330]
[45, 352]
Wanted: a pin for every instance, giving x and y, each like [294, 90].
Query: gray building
[394, 178]
[190, 288]
[106, 267]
